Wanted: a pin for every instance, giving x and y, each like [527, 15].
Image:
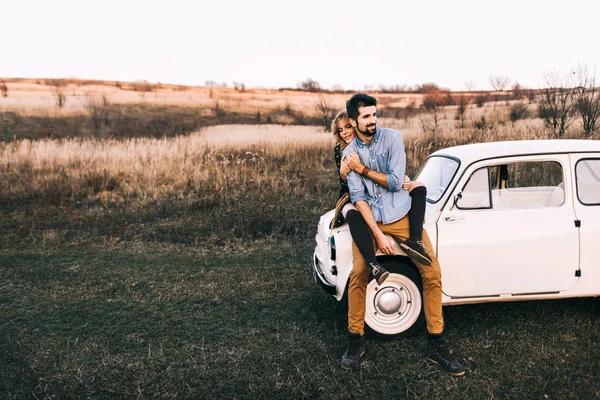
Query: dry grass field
[36, 97]
[157, 256]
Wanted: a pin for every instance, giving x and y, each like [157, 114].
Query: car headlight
[332, 247]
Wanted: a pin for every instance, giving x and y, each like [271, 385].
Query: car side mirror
[457, 197]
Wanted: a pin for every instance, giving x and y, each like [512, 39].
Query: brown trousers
[430, 274]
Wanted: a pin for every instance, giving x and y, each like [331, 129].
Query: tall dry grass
[224, 183]
[144, 170]
[210, 188]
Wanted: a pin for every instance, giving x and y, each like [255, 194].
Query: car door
[511, 230]
[586, 188]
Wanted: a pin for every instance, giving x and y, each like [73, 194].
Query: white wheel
[396, 306]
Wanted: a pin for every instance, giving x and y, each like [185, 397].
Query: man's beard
[367, 131]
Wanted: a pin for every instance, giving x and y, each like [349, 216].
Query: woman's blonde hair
[334, 127]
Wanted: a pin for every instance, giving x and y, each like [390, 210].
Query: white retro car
[516, 220]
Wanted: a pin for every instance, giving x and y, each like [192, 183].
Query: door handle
[449, 219]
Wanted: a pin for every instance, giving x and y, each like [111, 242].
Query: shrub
[310, 85]
[480, 99]
[325, 113]
[239, 86]
[60, 98]
[518, 111]
[480, 125]
[461, 110]
[433, 102]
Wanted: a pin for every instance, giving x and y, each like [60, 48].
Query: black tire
[395, 308]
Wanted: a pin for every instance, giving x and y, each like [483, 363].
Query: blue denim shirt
[384, 154]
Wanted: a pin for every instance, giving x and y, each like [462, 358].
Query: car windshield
[436, 174]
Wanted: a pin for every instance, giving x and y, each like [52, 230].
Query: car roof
[478, 151]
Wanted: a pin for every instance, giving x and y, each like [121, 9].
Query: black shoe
[438, 352]
[356, 348]
[416, 250]
[379, 273]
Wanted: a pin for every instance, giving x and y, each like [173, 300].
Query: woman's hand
[406, 183]
[344, 170]
[353, 161]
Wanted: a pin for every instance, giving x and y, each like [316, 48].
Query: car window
[533, 184]
[436, 174]
[476, 193]
[587, 174]
[533, 174]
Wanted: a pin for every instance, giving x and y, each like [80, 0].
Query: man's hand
[385, 244]
[353, 161]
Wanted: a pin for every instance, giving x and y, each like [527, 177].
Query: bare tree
[58, 92]
[470, 85]
[239, 86]
[433, 103]
[97, 108]
[310, 85]
[3, 89]
[499, 82]
[517, 90]
[461, 110]
[392, 88]
[558, 101]
[428, 87]
[324, 111]
[588, 99]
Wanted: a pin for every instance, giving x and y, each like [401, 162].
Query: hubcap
[388, 302]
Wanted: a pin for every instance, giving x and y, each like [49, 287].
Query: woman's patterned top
[337, 153]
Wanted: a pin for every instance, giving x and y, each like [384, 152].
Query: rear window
[587, 175]
[527, 184]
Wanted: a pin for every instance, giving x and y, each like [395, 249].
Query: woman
[344, 133]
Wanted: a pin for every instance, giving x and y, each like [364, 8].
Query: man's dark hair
[357, 101]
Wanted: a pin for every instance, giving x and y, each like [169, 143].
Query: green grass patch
[152, 320]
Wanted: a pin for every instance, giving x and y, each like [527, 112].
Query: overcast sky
[268, 43]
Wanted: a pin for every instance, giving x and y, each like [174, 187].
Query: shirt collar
[360, 143]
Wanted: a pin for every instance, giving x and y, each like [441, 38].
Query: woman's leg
[360, 233]
[364, 242]
[416, 214]
[414, 246]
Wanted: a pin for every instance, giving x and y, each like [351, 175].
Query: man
[378, 195]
